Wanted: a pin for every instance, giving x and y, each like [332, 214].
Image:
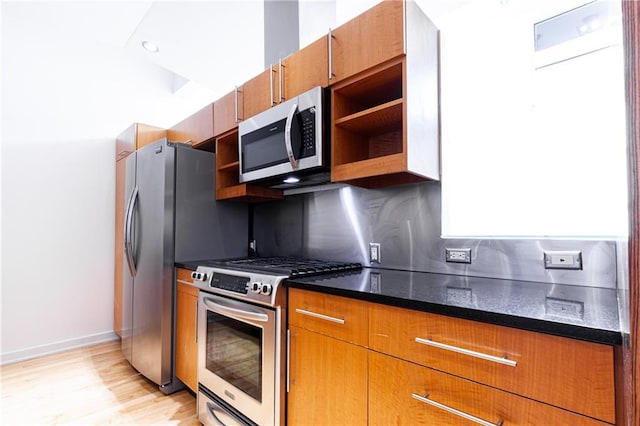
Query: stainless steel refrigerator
[171, 215]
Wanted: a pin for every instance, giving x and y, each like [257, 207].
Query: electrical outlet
[374, 252]
[458, 255]
[563, 259]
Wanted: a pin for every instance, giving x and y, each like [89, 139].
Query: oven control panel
[251, 286]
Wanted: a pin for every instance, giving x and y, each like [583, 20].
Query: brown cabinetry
[134, 137]
[369, 39]
[328, 362]
[186, 349]
[403, 393]
[227, 112]
[567, 373]
[424, 369]
[303, 70]
[384, 101]
[196, 129]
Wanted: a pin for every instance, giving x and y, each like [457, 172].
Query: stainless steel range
[241, 336]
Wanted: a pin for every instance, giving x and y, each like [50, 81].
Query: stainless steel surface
[266, 410]
[251, 277]
[330, 54]
[306, 100]
[287, 136]
[463, 351]
[280, 79]
[175, 218]
[127, 277]
[338, 224]
[271, 85]
[235, 104]
[422, 93]
[128, 232]
[288, 357]
[320, 316]
[451, 410]
[212, 413]
[235, 309]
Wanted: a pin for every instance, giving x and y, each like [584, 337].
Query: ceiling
[80, 64]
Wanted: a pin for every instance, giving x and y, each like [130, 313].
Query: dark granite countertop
[586, 313]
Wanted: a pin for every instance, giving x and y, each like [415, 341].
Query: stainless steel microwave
[285, 141]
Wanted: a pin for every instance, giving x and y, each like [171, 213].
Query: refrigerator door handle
[128, 239]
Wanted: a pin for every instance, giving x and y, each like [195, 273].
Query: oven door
[237, 355]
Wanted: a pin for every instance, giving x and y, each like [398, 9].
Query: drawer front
[402, 393]
[338, 317]
[568, 373]
[184, 275]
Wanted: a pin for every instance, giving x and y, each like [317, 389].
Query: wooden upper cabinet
[195, 129]
[258, 94]
[369, 39]
[135, 137]
[227, 112]
[303, 70]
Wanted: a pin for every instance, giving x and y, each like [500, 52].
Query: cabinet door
[327, 380]
[196, 128]
[146, 134]
[367, 40]
[258, 93]
[572, 374]
[304, 70]
[186, 334]
[402, 393]
[227, 112]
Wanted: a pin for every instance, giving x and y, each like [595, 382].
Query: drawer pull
[497, 359]
[462, 414]
[320, 316]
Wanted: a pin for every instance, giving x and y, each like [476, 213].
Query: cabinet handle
[320, 316]
[196, 320]
[459, 413]
[480, 355]
[280, 78]
[288, 357]
[330, 38]
[271, 85]
[235, 106]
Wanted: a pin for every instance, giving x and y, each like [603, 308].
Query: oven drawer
[409, 394]
[568, 373]
[335, 316]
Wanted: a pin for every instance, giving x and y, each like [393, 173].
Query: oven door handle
[287, 137]
[230, 309]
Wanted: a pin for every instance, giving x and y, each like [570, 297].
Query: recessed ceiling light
[150, 46]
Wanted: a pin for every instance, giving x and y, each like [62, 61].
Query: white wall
[64, 99]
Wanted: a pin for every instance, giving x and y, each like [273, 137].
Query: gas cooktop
[257, 279]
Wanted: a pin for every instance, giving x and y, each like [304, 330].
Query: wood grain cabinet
[327, 360]
[403, 393]
[186, 349]
[227, 112]
[197, 129]
[424, 369]
[303, 70]
[384, 100]
[134, 137]
[369, 39]
[567, 373]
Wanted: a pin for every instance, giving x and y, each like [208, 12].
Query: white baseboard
[51, 348]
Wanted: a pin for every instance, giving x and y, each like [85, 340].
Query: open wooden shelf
[228, 186]
[379, 119]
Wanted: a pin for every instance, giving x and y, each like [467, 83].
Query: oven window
[234, 353]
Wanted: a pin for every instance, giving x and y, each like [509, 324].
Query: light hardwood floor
[88, 386]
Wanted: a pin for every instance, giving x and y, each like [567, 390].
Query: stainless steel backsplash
[339, 224]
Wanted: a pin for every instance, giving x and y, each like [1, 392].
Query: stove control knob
[199, 276]
[266, 289]
[255, 287]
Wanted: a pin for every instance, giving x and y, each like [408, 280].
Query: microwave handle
[287, 136]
